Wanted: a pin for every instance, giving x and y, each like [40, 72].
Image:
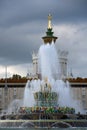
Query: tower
[35, 63]
[63, 59]
[49, 38]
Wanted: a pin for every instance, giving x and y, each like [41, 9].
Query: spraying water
[48, 61]
[49, 69]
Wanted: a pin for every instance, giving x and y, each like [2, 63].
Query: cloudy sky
[24, 22]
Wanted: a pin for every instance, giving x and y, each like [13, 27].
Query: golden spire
[49, 21]
[49, 38]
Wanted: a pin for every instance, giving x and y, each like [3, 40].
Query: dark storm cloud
[14, 12]
[24, 22]
[17, 45]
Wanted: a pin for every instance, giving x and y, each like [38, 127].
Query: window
[14, 91]
[83, 92]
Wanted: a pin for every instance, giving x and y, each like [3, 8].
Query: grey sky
[24, 22]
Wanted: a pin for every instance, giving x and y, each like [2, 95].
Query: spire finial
[49, 38]
[49, 21]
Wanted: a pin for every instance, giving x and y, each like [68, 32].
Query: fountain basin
[42, 123]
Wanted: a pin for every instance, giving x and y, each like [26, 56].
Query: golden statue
[49, 21]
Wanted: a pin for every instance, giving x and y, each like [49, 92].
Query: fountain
[50, 90]
[47, 100]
